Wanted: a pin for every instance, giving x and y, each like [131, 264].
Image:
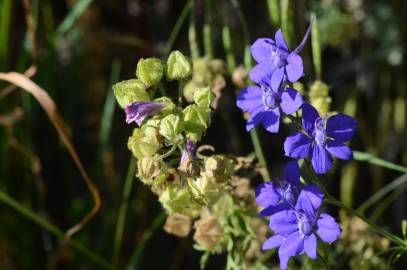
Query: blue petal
[291, 101]
[261, 71]
[261, 49]
[280, 40]
[339, 150]
[314, 194]
[321, 159]
[341, 127]
[138, 111]
[284, 222]
[293, 245]
[250, 99]
[310, 246]
[271, 120]
[297, 145]
[309, 115]
[327, 228]
[283, 262]
[273, 242]
[292, 173]
[273, 209]
[304, 40]
[295, 68]
[277, 78]
[267, 194]
[255, 118]
[309, 200]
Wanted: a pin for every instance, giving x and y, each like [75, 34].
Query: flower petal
[138, 111]
[261, 49]
[273, 209]
[295, 67]
[293, 245]
[339, 150]
[321, 159]
[309, 115]
[284, 222]
[327, 228]
[309, 200]
[280, 40]
[271, 120]
[250, 99]
[314, 194]
[292, 172]
[261, 71]
[341, 127]
[273, 242]
[255, 118]
[297, 145]
[291, 101]
[283, 262]
[276, 78]
[310, 246]
[267, 194]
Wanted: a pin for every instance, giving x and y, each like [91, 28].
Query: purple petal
[277, 78]
[304, 40]
[273, 242]
[297, 145]
[291, 101]
[188, 152]
[309, 115]
[138, 111]
[250, 99]
[293, 245]
[273, 209]
[267, 194]
[295, 67]
[261, 71]
[255, 118]
[339, 150]
[321, 159]
[341, 127]
[280, 40]
[310, 246]
[314, 194]
[327, 228]
[271, 120]
[261, 49]
[283, 262]
[284, 222]
[309, 200]
[292, 172]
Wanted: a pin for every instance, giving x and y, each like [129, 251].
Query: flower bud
[179, 66]
[152, 170]
[127, 92]
[150, 70]
[219, 168]
[197, 119]
[141, 144]
[203, 97]
[171, 126]
[178, 224]
[208, 232]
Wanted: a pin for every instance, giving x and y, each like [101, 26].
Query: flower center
[271, 99]
[320, 131]
[304, 224]
[288, 194]
[279, 56]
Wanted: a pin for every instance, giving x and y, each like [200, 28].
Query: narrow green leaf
[316, 47]
[274, 12]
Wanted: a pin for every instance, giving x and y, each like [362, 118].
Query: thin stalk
[259, 154]
[123, 209]
[207, 29]
[274, 12]
[362, 156]
[5, 19]
[227, 45]
[193, 42]
[46, 225]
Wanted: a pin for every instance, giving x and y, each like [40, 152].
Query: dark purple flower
[322, 138]
[188, 152]
[276, 61]
[296, 229]
[263, 103]
[138, 111]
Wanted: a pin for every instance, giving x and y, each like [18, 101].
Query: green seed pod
[197, 119]
[209, 189]
[203, 97]
[179, 66]
[169, 108]
[319, 97]
[171, 126]
[127, 92]
[152, 170]
[189, 90]
[219, 168]
[143, 144]
[175, 199]
[150, 70]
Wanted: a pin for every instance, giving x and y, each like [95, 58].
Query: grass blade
[274, 12]
[5, 19]
[366, 157]
[77, 10]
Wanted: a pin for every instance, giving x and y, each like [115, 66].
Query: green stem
[123, 209]
[170, 152]
[259, 154]
[367, 157]
[34, 217]
[193, 43]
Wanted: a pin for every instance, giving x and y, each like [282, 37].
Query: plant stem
[259, 154]
[367, 157]
[42, 222]
[123, 209]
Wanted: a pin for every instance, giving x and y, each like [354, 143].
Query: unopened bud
[150, 70]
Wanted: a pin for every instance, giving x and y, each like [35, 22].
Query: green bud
[127, 92]
[169, 106]
[219, 168]
[209, 189]
[150, 70]
[142, 144]
[171, 126]
[197, 119]
[178, 66]
[152, 170]
[319, 97]
[203, 97]
[175, 199]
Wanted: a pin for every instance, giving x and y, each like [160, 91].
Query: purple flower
[263, 103]
[138, 111]
[296, 229]
[276, 61]
[322, 138]
[187, 153]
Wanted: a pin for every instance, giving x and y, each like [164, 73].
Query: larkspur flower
[276, 61]
[263, 103]
[188, 153]
[296, 229]
[138, 111]
[322, 138]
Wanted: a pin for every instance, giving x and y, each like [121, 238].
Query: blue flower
[322, 138]
[263, 103]
[138, 111]
[296, 229]
[276, 61]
